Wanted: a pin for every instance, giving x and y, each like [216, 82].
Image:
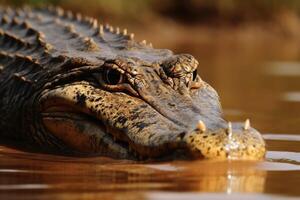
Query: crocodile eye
[194, 75]
[112, 77]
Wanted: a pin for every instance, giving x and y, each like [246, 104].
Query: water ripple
[283, 155]
[285, 137]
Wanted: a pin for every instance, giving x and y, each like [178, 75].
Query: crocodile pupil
[112, 77]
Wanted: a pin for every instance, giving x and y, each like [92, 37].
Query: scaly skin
[68, 84]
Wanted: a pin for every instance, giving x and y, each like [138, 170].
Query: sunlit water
[264, 88]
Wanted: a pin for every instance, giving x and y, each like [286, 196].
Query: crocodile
[69, 84]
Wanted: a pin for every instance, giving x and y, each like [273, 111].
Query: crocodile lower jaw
[83, 133]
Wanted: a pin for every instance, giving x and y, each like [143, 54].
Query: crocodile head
[130, 108]
[71, 84]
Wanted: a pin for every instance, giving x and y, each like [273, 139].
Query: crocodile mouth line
[69, 114]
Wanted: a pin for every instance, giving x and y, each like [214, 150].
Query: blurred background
[248, 49]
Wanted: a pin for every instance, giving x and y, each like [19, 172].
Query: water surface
[262, 84]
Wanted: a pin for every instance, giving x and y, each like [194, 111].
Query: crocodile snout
[237, 141]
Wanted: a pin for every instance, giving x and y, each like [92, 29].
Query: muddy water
[262, 84]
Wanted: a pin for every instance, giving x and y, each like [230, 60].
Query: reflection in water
[22, 171]
[88, 178]
[232, 178]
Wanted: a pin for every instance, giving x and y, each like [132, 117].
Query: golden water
[262, 84]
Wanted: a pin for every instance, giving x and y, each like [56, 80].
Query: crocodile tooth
[229, 130]
[201, 126]
[247, 124]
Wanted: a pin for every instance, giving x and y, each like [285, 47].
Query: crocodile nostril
[181, 135]
[195, 73]
[172, 104]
